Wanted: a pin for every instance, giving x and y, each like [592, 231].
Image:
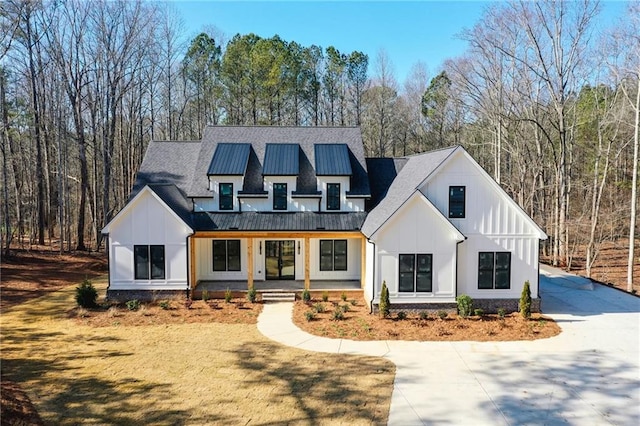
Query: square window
[494, 270]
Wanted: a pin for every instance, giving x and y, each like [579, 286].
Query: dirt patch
[358, 324]
[30, 274]
[169, 311]
[16, 408]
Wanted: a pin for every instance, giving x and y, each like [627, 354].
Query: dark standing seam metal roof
[230, 159]
[332, 160]
[281, 159]
[266, 221]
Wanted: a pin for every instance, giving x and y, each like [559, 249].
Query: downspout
[108, 246]
[373, 277]
[188, 295]
[457, 256]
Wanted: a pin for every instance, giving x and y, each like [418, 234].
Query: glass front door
[280, 260]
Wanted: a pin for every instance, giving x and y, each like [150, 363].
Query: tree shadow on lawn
[324, 390]
[575, 386]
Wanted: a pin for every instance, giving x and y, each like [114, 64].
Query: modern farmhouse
[290, 208]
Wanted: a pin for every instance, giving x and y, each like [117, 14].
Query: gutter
[457, 256]
[373, 277]
[108, 248]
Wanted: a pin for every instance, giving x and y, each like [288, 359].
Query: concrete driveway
[588, 375]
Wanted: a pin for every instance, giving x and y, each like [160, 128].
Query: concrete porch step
[278, 297]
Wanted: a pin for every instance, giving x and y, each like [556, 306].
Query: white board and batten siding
[146, 220]
[493, 222]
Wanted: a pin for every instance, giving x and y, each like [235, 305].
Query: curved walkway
[588, 375]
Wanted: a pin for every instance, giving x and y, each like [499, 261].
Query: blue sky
[424, 31]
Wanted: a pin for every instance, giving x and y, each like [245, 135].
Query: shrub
[86, 294]
[424, 315]
[165, 304]
[306, 295]
[465, 305]
[133, 305]
[401, 315]
[227, 295]
[345, 308]
[478, 312]
[442, 314]
[205, 296]
[251, 295]
[385, 305]
[325, 296]
[501, 313]
[337, 315]
[525, 301]
[318, 307]
[310, 315]
[343, 296]
[353, 302]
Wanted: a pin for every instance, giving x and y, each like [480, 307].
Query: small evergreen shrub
[133, 305]
[424, 315]
[345, 308]
[325, 296]
[310, 315]
[205, 296]
[442, 314]
[306, 295]
[86, 294]
[318, 307]
[337, 315]
[227, 295]
[501, 313]
[385, 305]
[402, 315]
[251, 295]
[478, 312]
[165, 304]
[343, 296]
[525, 301]
[465, 305]
[353, 302]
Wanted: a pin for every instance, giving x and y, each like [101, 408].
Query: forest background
[544, 100]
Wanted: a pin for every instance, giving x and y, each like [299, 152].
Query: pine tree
[525, 301]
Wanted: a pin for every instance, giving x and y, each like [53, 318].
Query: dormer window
[333, 196]
[457, 202]
[279, 196]
[225, 191]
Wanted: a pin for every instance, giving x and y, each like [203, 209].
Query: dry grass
[192, 373]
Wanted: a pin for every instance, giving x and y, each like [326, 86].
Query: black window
[226, 196]
[494, 270]
[415, 273]
[456, 202]
[149, 262]
[226, 255]
[333, 196]
[279, 196]
[333, 255]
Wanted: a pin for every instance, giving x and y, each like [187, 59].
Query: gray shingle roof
[175, 199]
[266, 221]
[416, 169]
[230, 159]
[332, 160]
[281, 159]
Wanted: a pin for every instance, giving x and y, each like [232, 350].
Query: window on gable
[226, 196]
[279, 196]
[415, 273]
[149, 262]
[333, 255]
[226, 255]
[333, 196]
[457, 202]
[494, 270]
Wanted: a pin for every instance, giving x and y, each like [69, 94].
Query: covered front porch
[335, 288]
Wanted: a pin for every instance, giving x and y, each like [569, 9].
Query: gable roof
[416, 169]
[230, 159]
[281, 159]
[332, 160]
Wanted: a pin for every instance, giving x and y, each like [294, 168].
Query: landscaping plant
[525, 301]
[205, 296]
[227, 295]
[251, 295]
[343, 296]
[402, 315]
[325, 296]
[133, 305]
[86, 294]
[385, 305]
[465, 305]
[306, 295]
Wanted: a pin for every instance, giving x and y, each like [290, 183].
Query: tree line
[543, 98]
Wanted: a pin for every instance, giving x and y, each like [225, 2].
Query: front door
[280, 260]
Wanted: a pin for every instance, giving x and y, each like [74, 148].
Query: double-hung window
[457, 205]
[333, 196]
[333, 255]
[226, 196]
[415, 273]
[149, 262]
[279, 196]
[226, 255]
[494, 270]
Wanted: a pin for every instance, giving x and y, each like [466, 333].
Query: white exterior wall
[214, 181]
[492, 223]
[416, 229]
[144, 221]
[204, 261]
[291, 186]
[353, 261]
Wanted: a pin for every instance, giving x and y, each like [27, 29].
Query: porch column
[307, 256]
[250, 263]
[192, 265]
[363, 259]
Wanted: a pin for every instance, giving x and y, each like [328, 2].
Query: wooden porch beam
[192, 265]
[250, 263]
[307, 268]
[363, 259]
